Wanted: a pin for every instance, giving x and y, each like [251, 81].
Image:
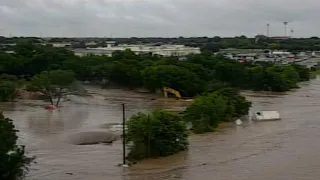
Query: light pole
[291, 31]
[285, 28]
[268, 29]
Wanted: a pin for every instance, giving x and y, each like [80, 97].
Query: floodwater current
[283, 150]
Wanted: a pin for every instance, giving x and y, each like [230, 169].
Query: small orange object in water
[50, 107]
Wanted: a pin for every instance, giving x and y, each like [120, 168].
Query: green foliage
[156, 135]
[126, 73]
[274, 46]
[30, 59]
[209, 110]
[191, 76]
[12, 159]
[8, 87]
[86, 68]
[314, 74]
[53, 83]
[178, 78]
[235, 101]
[232, 72]
[10, 64]
[7, 91]
[304, 72]
[280, 79]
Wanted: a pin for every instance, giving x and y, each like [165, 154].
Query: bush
[7, 91]
[156, 135]
[12, 160]
[8, 87]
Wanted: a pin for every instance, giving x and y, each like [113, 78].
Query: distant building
[92, 43]
[10, 52]
[241, 51]
[282, 53]
[163, 50]
[242, 57]
[60, 44]
[5, 45]
[280, 37]
[92, 51]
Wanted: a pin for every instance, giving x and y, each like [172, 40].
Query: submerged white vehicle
[266, 116]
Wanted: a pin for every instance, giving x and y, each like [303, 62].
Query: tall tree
[54, 84]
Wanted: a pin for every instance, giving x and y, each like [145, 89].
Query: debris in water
[122, 165]
[266, 116]
[50, 107]
[239, 122]
[91, 138]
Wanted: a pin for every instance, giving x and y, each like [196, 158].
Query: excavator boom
[172, 91]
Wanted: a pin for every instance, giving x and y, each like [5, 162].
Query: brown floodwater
[282, 150]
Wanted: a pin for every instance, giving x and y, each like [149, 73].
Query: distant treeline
[212, 44]
[193, 76]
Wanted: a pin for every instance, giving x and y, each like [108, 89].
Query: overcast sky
[165, 18]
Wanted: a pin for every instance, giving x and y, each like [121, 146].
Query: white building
[92, 43]
[242, 57]
[60, 44]
[281, 53]
[163, 50]
[93, 51]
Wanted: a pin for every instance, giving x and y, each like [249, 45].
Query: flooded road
[282, 150]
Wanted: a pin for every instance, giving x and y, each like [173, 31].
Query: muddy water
[283, 150]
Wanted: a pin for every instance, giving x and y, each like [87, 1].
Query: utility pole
[124, 134]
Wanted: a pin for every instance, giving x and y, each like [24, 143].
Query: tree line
[191, 76]
[212, 44]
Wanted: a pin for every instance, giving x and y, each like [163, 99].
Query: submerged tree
[207, 111]
[13, 162]
[54, 84]
[156, 135]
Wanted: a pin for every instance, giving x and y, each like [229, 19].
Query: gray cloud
[157, 17]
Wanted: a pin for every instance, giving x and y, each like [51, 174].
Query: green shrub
[7, 90]
[13, 162]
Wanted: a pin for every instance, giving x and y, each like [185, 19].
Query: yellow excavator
[167, 90]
